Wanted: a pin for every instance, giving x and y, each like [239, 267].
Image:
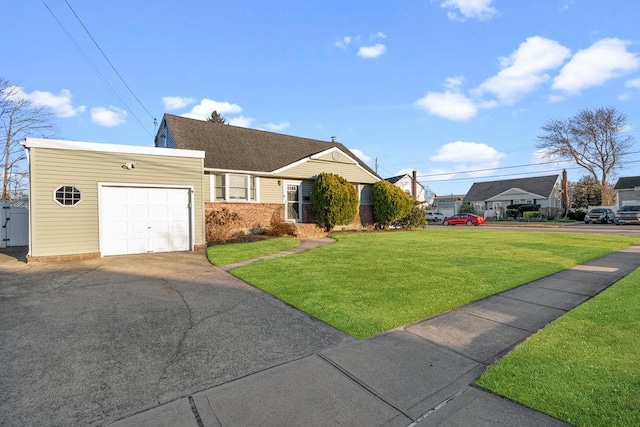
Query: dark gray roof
[481, 191]
[395, 179]
[627, 182]
[236, 148]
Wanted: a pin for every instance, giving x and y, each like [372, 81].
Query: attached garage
[141, 219]
[89, 200]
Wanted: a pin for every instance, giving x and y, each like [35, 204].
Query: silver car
[601, 215]
[629, 214]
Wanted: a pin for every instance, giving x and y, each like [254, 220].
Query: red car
[463, 218]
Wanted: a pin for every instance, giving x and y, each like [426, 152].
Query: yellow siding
[309, 170]
[270, 191]
[58, 230]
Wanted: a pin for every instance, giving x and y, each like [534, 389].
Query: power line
[104, 81]
[108, 61]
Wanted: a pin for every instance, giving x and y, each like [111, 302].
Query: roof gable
[236, 148]
[515, 193]
[483, 191]
[627, 182]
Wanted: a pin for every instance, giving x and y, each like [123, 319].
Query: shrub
[222, 225]
[390, 203]
[577, 215]
[467, 208]
[281, 229]
[416, 219]
[512, 213]
[335, 200]
[531, 215]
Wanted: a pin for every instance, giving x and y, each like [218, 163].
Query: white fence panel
[14, 223]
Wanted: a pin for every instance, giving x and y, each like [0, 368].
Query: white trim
[109, 148]
[320, 154]
[519, 192]
[212, 188]
[55, 198]
[238, 171]
[286, 202]
[192, 219]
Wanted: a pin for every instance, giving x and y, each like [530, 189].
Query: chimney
[414, 182]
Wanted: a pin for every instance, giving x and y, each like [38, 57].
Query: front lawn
[583, 368]
[368, 283]
[231, 253]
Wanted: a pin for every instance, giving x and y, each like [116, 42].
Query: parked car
[434, 216]
[601, 215]
[629, 214]
[463, 218]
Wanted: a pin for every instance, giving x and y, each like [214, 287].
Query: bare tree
[594, 140]
[19, 118]
[216, 118]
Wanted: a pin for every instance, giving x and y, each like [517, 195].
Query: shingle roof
[395, 179]
[481, 191]
[236, 148]
[627, 182]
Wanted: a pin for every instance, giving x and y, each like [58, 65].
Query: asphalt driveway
[86, 343]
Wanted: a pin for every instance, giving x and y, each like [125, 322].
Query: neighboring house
[627, 191]
[449, 204]
[406, 183]
[265, 177]
[88, 200]
[495, 196]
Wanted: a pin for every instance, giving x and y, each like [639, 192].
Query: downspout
[27, 152]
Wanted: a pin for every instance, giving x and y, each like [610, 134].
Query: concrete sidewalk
[418, 375]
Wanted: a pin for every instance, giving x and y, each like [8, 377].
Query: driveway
[86, 343]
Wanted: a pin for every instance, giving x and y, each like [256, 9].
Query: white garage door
[138, 220]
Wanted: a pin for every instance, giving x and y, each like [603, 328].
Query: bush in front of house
[417, 218]
[335, 200]
[390, 203]
[531, 216]
[222, 225]
[467, 208]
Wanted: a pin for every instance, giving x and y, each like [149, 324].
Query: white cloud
[207, 106]
[344, 42]
[604, 60]
[61, 105]
[360, 154]
[467, 152]
[371, 51]
[448, 105]
[276, 127]
[241, 121]
[524, 70]
[634, 83]
[176, 102]
[478, 9]
[109, 117]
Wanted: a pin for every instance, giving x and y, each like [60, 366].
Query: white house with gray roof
[497, 195]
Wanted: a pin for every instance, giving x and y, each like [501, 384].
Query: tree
[586, 192]
[19, 118]
[594, 140]
[467, 208]
[390, 203]
[335, 200]
[216, 118]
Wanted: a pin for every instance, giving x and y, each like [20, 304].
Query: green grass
[236, 252]
[367, 283]
[584, 368]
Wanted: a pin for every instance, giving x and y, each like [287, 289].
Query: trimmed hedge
[390, 203]
[335, 200]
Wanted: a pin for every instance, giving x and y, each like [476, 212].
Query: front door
[292, 201]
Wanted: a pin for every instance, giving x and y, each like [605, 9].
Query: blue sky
[439, 86]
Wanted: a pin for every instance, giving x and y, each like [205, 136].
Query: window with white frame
[234, 187]
[67, 195]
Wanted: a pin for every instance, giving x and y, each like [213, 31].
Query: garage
[144, 219]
